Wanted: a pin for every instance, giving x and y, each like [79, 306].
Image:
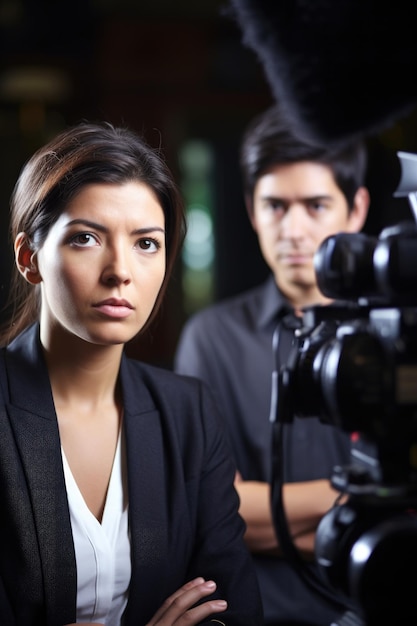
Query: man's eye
[275, 205]
[316, 206]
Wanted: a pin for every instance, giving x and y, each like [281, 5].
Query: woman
[118, 504]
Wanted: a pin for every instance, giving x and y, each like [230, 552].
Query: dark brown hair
[272, 139]
[81, 155]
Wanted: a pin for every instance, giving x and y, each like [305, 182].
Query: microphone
[341, 70]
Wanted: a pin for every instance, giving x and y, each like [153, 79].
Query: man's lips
[114, 307]
[296, 258]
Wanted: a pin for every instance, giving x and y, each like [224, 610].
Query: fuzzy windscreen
[340, 68]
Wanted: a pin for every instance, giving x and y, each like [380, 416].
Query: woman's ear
[26, 259]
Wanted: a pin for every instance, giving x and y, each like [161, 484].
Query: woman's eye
[149, 245]
[84, 240]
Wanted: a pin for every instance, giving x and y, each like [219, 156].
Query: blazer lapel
[148, 506]
[34, 424]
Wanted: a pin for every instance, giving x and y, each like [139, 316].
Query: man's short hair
[273, 139]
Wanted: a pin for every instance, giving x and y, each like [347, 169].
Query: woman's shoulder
[162, 378]
[148, 387]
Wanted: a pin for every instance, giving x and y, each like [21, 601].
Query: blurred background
[177, 72]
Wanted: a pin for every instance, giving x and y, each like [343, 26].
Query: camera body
[356, 368]
[354, 365]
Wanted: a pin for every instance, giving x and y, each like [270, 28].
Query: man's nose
[294, 221]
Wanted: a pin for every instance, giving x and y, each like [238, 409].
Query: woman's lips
[114, 308]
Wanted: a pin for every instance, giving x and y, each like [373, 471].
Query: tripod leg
[349, 619]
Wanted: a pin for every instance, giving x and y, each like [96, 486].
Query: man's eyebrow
[323, 196]
[104, 229]
[304, 199]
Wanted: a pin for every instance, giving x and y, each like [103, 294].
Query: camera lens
[344, 266]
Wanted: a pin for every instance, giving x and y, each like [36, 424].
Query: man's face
[295, 207]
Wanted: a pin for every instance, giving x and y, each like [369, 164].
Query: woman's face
[103, 263]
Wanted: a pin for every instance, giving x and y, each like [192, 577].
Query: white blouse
[102, 551]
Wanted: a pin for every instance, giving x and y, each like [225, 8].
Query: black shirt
[229, 346]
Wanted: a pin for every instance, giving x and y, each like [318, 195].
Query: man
[296, 195]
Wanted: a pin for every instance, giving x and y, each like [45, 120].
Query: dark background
[174, 71]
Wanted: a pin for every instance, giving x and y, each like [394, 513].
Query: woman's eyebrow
[89, 224]
[147, 229]
[105, 229]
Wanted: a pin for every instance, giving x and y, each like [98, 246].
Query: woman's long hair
[81, 155]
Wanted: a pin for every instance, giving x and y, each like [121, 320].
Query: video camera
[354, 365]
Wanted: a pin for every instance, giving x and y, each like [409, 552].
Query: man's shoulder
[241, 305]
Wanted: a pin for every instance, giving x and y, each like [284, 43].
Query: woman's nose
[116, 270]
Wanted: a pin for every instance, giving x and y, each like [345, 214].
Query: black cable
[287, 545]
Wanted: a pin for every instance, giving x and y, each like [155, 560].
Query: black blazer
[183, 509]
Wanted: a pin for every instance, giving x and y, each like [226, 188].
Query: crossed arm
[179, 608]
[305, 503]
